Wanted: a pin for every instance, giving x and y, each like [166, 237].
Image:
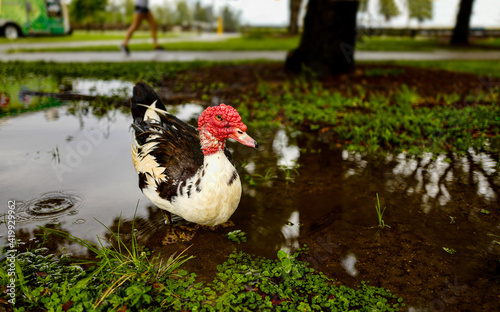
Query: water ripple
[49, 206]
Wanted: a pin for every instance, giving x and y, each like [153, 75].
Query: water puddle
[33, 93]
[70, 168]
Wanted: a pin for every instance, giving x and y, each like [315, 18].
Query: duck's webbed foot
[218, 226]
[178, 233]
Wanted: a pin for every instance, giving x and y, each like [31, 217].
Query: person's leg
[136, 22]
[152, 24]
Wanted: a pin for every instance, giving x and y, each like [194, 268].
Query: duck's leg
[168, 217]
[176, 233]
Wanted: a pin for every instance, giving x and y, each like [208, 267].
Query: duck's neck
[209, 144]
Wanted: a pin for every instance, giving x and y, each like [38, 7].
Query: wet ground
[69, 167]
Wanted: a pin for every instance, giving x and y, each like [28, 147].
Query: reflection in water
[288, 154]
[354, 158]
[291, 233]
[102, 87]
[432, 177]
[186, 112]
[51, 114]
[349, 263]
[21, 94]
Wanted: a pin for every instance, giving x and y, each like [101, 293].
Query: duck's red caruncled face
[223, 122]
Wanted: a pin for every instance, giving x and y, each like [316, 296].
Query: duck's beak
[242, 137]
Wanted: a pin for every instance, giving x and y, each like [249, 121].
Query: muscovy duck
[184, 170]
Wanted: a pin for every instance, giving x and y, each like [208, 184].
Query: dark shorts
[143, 10]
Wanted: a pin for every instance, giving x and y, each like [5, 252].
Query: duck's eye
[219, 118]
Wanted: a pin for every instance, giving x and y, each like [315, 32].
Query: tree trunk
[461, 31]
[293, 28]
[328, 39]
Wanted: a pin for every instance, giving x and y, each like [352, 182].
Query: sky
[486, 13]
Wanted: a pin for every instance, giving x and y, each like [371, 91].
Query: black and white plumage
[184, 170]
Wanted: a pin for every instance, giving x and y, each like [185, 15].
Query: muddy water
[70, 169]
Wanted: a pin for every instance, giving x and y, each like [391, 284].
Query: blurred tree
[164, 15]
[129, 6]
[327, 42]
[230, 18]
[460, 34]
[420, 9]
[183, 13]
[293, 28]
[388, 9]
[87, 11]
[200, 13]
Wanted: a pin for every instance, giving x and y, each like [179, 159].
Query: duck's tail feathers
[145, 102]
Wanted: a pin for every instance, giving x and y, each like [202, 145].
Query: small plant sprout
[451, 251]
[288, 173]
[380, 213]
[497, 236]
[237, 236]
[270, 174]
[285, 261]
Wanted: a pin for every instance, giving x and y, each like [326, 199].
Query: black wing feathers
[178, 148]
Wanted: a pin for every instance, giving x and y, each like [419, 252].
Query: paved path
[183, 56]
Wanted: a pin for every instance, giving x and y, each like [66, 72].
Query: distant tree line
[417, 9]
[330, 31]
[103, 14]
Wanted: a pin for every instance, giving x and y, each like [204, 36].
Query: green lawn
[253, 43]
[478, 67]
[148, 71]
[94, 35]
[421, 44]
[400, 120]
[233, 44]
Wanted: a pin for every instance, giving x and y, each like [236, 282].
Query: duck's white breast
[210, 197]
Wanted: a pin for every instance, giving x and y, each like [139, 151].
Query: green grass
[477, 67]
[380, 214]
[148, 71]
[253, 42]
[128, 277]
[94, 35]
[401, 120]
[375, 123]
[421, 44]
[153, 71]
[232, 44]
[491, 42]
[399, 44]
[250, 283]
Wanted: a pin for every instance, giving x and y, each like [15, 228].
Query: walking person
[141, 13]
